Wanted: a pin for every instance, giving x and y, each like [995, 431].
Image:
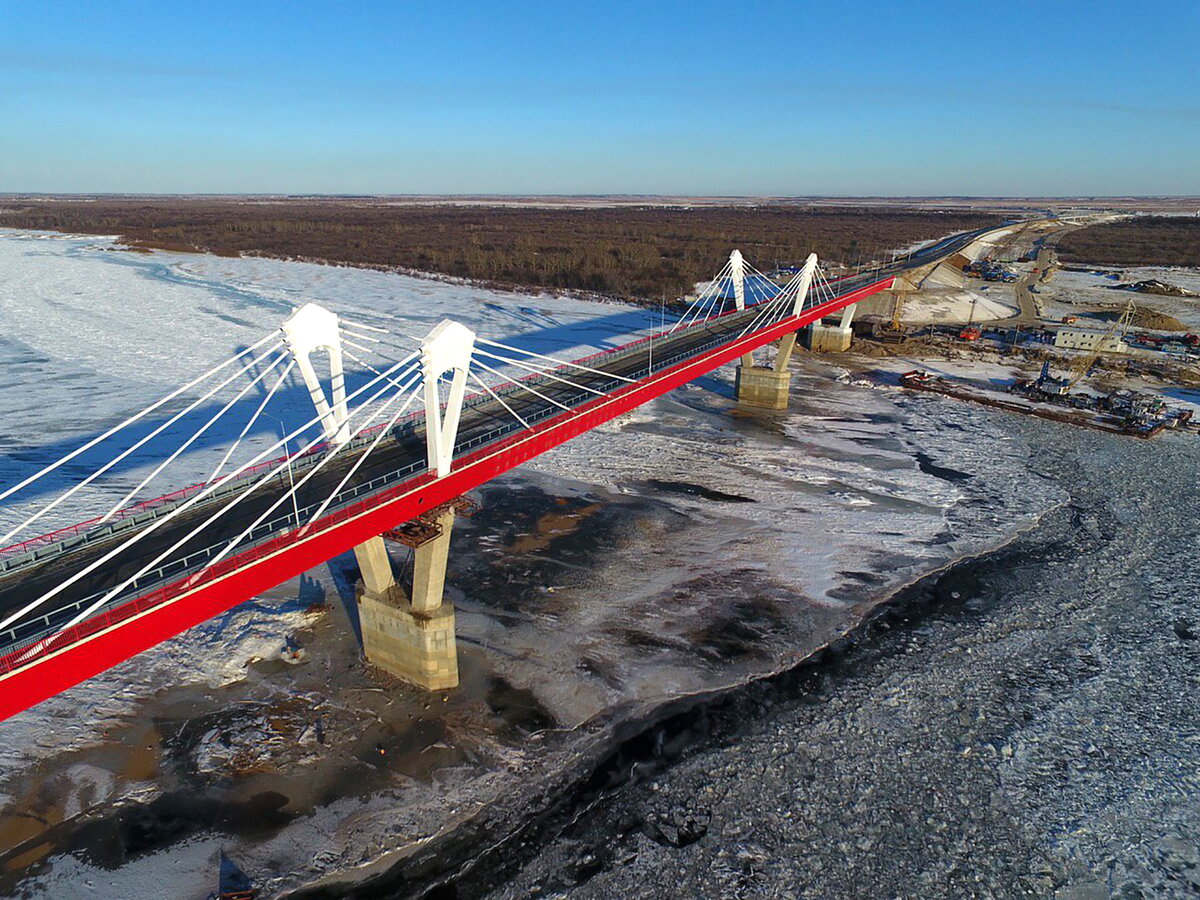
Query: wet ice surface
[685, 548]
[1025, 727]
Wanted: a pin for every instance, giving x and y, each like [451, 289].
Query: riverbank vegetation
[1141, 241]
[632, 252]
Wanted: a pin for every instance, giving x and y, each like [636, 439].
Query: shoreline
[627, 747]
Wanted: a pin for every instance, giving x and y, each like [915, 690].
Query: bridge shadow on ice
[291, 406]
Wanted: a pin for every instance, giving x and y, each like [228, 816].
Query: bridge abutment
[413, 639]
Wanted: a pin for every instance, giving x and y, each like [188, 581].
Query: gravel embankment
[1027, 726]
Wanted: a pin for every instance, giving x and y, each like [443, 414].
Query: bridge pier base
[767, 387]
[763, 387]
[411, 639]
[831, 338]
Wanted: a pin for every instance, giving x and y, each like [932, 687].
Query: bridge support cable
[558, 362]
[195, 437]
[370, 368]
[362, 456]
[504, 379]
[293, 491]
[147, 567]
[702, 311]
[361, 326]
[287, 370]
[706, 298]
[475, 378]
[357, 346]
[8, 492]
[821, 287]
[764, 310]
[137, 445]
[540, 370]
[768, 308]
[350, 329]
[206, 492]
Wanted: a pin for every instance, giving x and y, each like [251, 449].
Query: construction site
[1010, 327]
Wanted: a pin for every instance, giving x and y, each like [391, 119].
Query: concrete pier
[767, 387]
[763, 387]
[418, 649]
[412, 639]
[831, 338]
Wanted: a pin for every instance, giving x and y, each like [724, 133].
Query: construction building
[1086, 339]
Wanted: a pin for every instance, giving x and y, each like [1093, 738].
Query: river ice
[855, 491]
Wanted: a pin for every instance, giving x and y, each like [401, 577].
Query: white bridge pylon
[448, 348]
[802, 287]
[737, 270]
[309, 330]
[756, 293]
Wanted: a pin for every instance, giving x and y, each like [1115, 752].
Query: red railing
[21, 656]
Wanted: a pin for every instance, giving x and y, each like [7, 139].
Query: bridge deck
[398, 460]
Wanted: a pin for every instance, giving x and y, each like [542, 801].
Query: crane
[1083, 365]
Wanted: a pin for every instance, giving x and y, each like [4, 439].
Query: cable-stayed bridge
[402, 427]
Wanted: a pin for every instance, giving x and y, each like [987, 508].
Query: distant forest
[1141, 241]
[638, 253]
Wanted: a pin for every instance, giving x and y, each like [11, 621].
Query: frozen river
[683, 549]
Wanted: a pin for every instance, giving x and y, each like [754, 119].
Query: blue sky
[676, 98]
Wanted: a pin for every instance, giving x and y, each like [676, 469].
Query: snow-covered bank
[1069, 291]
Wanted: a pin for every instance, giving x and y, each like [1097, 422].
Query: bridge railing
[143, 512]
[272, 536]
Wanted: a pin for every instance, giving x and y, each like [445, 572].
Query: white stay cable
[764, 284]
[145, 412]
[505, 378]
[702, 309]
[114, 591]
[539, 371]
[363, 457]
[195, 437]
[496, 397]
[560, 362]
[346, 342]
[768, 308]
[137, 445]
[346, 323]
[196, 498]
[764, 310]
[287, 370]
[367, 365]
[703, 297]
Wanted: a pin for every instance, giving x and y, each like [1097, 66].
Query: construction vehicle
[892, 332]
[971, 332]
[897, 307]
